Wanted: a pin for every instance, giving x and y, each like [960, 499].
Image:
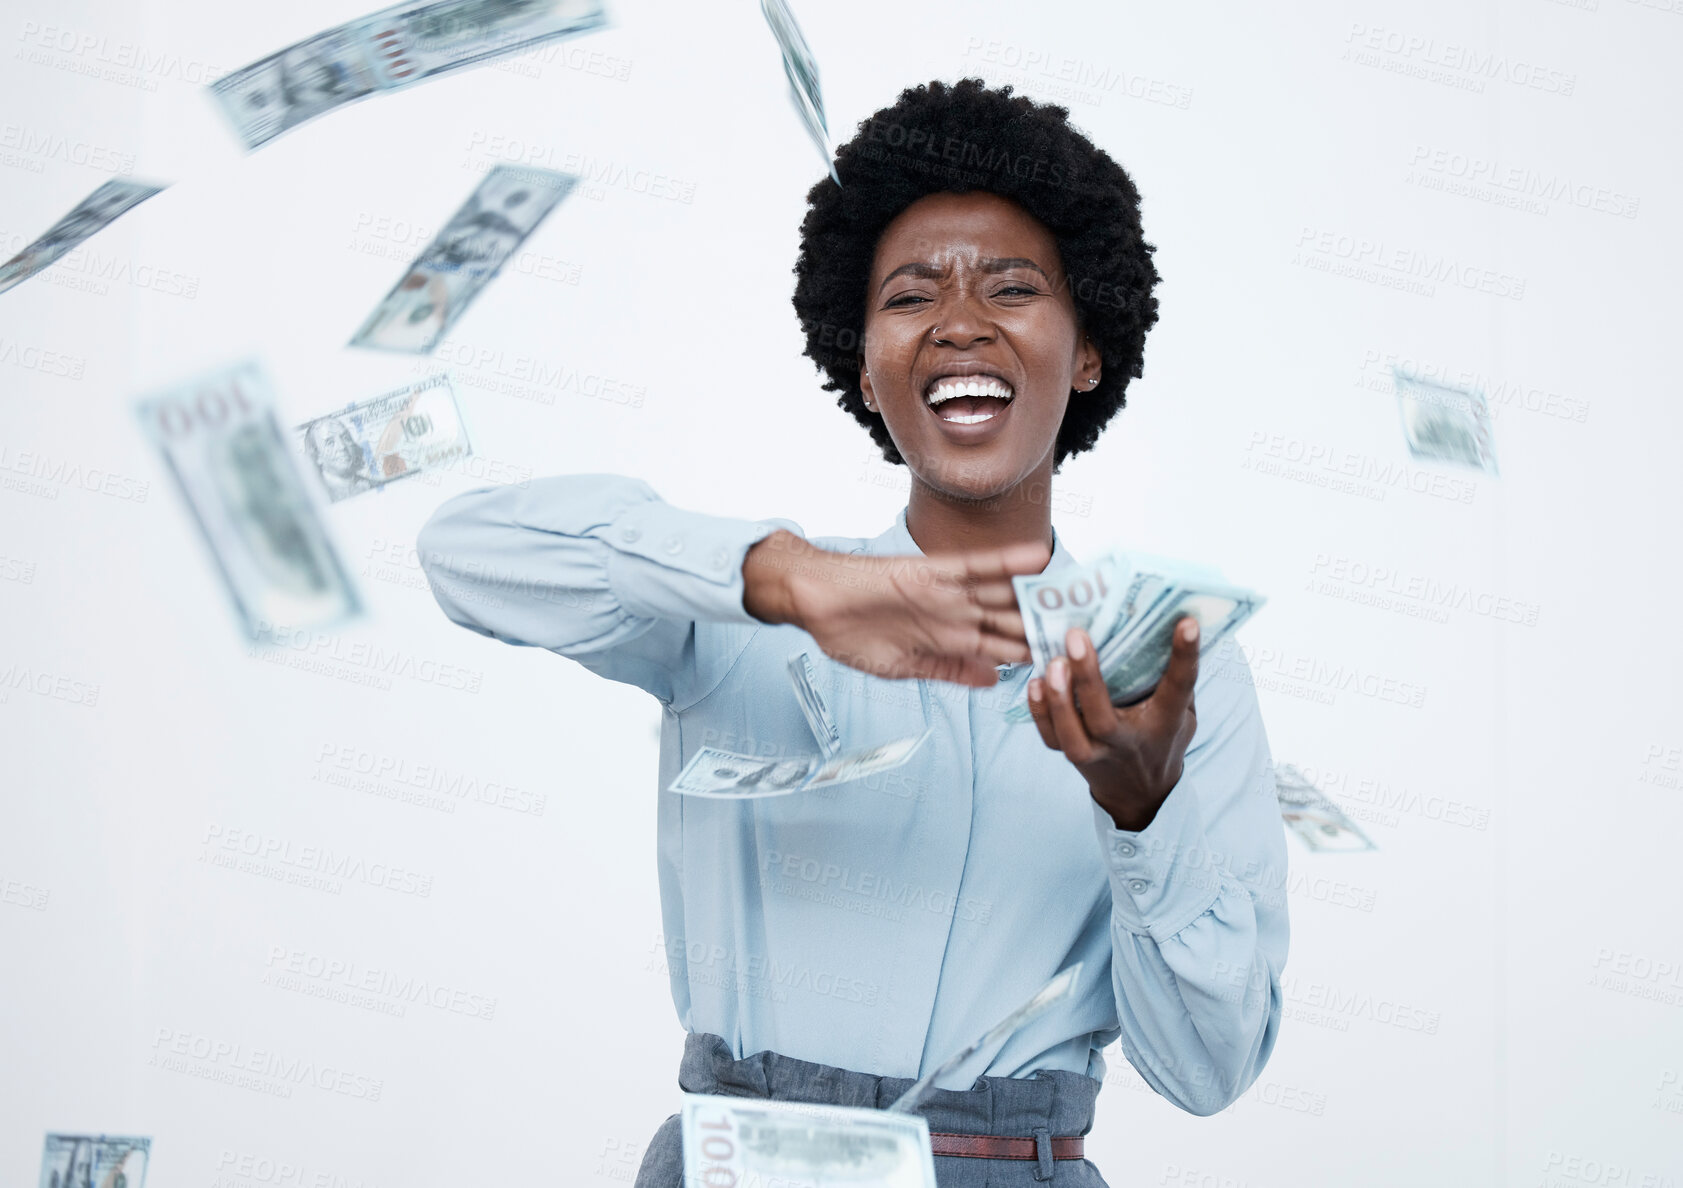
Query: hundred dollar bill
[1085, 596]
[1444, 424]
[1059, 988]
[721, 775]
[462, 258]
[219, 439]
[1144, 596]
[395, 47]
[93, 213]
[817, 714]
[1313, 816]
[1133, 663]
[367, 445]
[801, 68]
[750, 1142]
[100, 1161]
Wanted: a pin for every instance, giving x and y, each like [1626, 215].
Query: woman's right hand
[945, 617]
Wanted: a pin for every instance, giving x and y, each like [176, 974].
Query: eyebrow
[927, 271]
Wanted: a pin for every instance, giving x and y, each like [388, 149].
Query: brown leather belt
[987, 1146]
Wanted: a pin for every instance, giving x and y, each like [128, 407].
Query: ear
[1089, 365]
[865, 384]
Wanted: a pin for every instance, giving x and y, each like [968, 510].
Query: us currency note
[801, 69]
[365, 446]
[94, 1161]
[1136, 661]
[1445, 424]
[1313, 816]
[1055, 991]
[1085, 596]
[94, 213]
[462, 258]
[817, 714]
[395, 47]
[721, 775]
[1133, 632]
[750, 1142]
[219, 439]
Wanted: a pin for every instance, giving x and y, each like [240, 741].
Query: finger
[1005, 623]
[1041, 713]
[1091, 697]
[1023, 557]
[956, 669]
[999, 649]
[993, 592]
[1060, 696]
[1174, 691]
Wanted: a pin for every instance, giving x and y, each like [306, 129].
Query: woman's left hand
[1131, 756]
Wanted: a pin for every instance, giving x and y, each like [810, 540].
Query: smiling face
[972, 344]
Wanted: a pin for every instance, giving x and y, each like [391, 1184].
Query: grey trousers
[1056, 1103]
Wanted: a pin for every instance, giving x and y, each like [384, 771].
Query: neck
[940, 522]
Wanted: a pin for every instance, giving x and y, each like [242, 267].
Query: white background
[1535, 926]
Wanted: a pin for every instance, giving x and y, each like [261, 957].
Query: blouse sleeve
[597, 568]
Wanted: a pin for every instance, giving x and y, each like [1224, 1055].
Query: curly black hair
[965, 137]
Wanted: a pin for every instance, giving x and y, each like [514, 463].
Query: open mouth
[968, 399]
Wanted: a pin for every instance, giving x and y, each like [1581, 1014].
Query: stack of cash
[1128, 603]
[109, 1161]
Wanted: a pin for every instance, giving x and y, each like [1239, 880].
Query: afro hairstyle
[959, 138]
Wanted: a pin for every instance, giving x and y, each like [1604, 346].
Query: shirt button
[1126, 849]
[720, 559]
[629, 534]
[1137, 886]
[673, 545]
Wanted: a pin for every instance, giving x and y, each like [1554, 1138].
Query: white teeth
[972, 385]
[969, 418]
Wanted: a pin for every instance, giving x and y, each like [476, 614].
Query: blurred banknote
[1444, 424]
[220, 440]
[94, 1161]
[817, 714]
[1313, 816]
[379, 441]
[392, 48]
[750, 1142]
[722, 775]
[1059, 988]
[462, 258]
[1129, 604]
[801, 68]
[91, 214]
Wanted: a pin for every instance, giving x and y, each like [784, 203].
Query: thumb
[1181, 676]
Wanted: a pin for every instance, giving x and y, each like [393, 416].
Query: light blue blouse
[884, 924]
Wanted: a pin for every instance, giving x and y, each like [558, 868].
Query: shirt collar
[897, 541]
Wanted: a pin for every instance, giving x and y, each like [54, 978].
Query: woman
[978, 293]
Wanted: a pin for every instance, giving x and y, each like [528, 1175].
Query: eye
[905, 299]
[1016, 290]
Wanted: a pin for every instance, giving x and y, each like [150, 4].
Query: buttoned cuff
[1161, 877]
[668, 563]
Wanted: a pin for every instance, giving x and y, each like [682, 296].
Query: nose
[963, 320]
